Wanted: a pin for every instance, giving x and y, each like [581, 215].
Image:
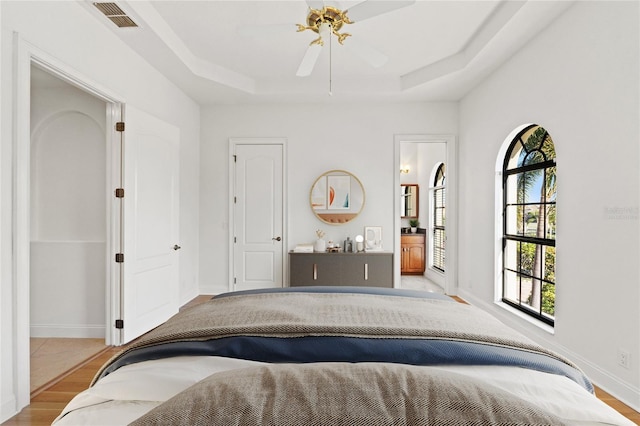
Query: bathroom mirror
[409, 201]
[337, 197]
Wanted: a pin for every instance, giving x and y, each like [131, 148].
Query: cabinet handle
[366, 271]
[315, 271]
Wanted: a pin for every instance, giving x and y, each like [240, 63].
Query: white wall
[579, 80]
[358, 138]
[67, 32]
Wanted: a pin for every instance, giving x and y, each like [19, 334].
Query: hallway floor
[419, 282]
[53, 357]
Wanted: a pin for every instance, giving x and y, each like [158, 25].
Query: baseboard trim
[72, 331]
[212, 289]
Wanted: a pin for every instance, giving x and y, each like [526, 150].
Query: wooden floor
[46, 405]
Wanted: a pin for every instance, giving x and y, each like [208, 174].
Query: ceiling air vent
[115, 14]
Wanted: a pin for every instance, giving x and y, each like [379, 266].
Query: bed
[337, 356]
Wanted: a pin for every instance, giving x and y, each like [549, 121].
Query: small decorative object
[348, 245]
[320, 245]
[414, 223]
[303, 248]
[359, 243]
[373, 238]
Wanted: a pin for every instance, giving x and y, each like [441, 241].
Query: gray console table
[372, 269]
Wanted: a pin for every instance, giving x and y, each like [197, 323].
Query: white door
[258, 240]
[150, 288]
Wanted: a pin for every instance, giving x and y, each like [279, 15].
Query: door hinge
[119, 257]
[234, 280]
[120, 126]
[119, 192]
[235, 200]
[119, 324]
[235, 158]
[235, 239]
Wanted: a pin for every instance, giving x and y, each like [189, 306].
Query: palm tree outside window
[438, 213]
[529, 224]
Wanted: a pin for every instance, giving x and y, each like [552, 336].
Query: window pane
[550, 184]
[548, 299]
[548, 148]
[511, 255]
[534, 157]
[439, 217]
[534, 140]
[525, 290]
[438, 248]
[513, 217]
[512, 196]
[527, 254]
[531, 183]
[526, 287]
[551, 222]
[440, 176]
[549, 267]
[511, 286]
[534, 224]
[514, 158]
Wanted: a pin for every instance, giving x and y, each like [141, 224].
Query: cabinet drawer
[369, 270]
[313, 270]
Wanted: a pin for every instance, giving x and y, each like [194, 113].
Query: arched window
[438, 219]
[529, 224]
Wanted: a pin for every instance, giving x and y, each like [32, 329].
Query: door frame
[27, 54]
[451, 261]
[233, 142]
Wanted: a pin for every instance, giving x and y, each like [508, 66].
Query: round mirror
[337, 197]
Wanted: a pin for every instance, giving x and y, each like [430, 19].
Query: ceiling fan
[328, 19]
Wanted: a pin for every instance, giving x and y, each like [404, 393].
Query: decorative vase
[414, 229]
[320, 245]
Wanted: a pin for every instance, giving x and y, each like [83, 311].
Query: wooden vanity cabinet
[342, 269]
[412, 252]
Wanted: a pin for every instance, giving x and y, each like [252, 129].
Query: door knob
[277, 239]
[177, 247]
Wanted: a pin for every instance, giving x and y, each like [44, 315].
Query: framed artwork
[373, 238]
[339, 192]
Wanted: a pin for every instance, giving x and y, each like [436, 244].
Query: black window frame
[544, 165]
[438, 251]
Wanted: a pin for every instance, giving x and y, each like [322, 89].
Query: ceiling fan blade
[370, 8]
[332, 3]
[309, 60]
[255, 31]
[364, 51]
[315, 4]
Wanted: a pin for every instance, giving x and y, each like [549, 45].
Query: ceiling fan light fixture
[327, 16]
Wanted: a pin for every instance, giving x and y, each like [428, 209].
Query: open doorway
[425, 236]
[419, 250]
[68, 221]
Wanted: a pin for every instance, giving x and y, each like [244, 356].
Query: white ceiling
[437, 50]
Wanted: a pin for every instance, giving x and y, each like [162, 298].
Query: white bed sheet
[133, 390]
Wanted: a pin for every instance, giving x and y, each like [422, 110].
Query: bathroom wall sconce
[404, 169]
